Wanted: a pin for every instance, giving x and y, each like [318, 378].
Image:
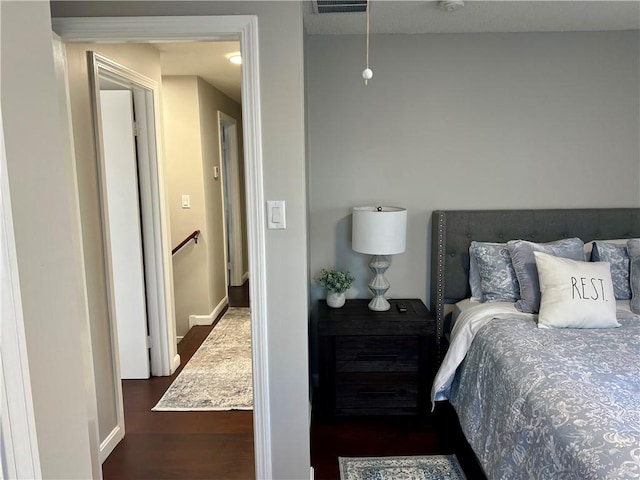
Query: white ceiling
[404, 16]
[204, 59]
[209, 59]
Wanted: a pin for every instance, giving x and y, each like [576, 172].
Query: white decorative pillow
[575, 294]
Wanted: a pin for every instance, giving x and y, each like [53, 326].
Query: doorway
[187, 152]
[232, 199]
[201, 28]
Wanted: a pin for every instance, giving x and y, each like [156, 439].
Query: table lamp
[379, 231]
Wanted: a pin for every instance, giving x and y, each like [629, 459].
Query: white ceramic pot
[335, 300]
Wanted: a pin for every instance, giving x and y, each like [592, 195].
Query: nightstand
[375, 363]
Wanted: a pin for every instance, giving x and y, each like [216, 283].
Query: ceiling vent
[339, 6]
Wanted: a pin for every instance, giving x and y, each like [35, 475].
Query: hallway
[182, 445]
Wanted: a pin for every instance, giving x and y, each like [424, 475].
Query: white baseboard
[238, 283]
[311, 473]
[208, 319]
[175, 364]
[109, 443]
[179, 339]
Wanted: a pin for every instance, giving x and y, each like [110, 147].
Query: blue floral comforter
[551, 403]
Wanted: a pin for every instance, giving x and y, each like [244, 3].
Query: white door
[123, 212]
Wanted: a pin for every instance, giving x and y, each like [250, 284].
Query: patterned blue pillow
[618, 257]
[524, 264]
[633, 249]
[497, 277]
[475, 282]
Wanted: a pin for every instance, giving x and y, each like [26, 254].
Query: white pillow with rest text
[575, 294]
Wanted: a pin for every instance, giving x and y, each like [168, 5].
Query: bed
[534, 402]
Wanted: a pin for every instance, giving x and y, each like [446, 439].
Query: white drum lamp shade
[379, 231]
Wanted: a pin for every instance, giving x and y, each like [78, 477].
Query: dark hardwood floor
[239, 296]
[181, 445]
[219, 445]
[436, 434]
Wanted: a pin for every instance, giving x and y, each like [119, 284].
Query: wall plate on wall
[276, 215]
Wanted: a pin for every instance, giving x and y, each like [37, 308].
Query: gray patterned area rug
[431, 467]
[218, 375]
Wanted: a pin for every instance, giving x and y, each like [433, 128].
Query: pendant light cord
[368, 7]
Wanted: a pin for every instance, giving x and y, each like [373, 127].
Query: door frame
[18, 445]
[145, 94]
[231, 192]
[244, 28]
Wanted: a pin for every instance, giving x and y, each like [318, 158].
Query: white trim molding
[210, 318]
[60, 62]
[109, 443]
[153, 222]
[252, 134]
[244, 27]
[175, 363]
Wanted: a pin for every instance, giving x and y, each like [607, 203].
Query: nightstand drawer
[376, 393]
[376, 354]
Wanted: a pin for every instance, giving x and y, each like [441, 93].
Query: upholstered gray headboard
[453, 231]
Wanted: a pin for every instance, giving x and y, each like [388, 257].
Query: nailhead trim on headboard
[440, 285]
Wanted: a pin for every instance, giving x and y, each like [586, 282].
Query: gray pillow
[633, 249]
[617, 256]
[497, 277]
[475, 282]
[524, 264]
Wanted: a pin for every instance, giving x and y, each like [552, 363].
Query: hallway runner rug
[432, 467]
[218, 376]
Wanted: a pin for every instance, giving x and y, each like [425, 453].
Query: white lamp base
[378, 284]
[379, 304]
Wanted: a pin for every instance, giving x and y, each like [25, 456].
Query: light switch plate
[276, 215]
[186, 201]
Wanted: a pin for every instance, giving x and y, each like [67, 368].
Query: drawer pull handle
[377, 393]
[377, 357]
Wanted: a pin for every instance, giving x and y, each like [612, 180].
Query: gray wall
[465, 121]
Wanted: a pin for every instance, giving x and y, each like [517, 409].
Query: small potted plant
[335, 282]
